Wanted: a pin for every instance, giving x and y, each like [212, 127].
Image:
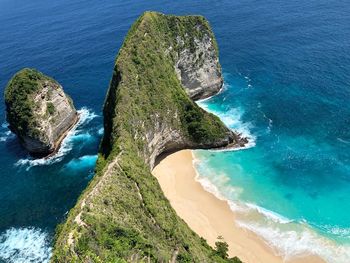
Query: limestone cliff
[123, 214]
[197, 65]
[38, 111]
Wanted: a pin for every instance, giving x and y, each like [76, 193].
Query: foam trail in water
[18, 245]
[270, 122]
[5, 133]
[85, 116]
[343, 141]
[82, 162]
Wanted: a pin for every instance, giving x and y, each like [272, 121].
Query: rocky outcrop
[38, 111]
[123, 214]
[193, 56]
[198, 67]
[164, 139]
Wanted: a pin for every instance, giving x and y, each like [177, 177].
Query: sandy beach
[208, 216]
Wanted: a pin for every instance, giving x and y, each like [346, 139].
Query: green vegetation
[50, 108]
[19, 100]
[221, 248]
[123, 214]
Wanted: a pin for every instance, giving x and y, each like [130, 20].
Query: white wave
[4, 136]
[277, 218]
[213, 189]
[82, 162]
[223, 88]
[18, 245]
[343, 141]
[86, 136]
[290, 238]
[100, 131]
[221, 181]
[219, 186]
[344, 232]
[5, 133]
[296, 243]
[85, 116]
[233, 119]
[336, 230]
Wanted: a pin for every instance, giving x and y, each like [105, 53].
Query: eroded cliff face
[148, 111]
[194, 54]
[38, 111]
[197, 67]
[165, 139]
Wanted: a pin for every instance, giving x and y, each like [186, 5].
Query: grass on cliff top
[149, 84]
[19, 100]
[127, 217]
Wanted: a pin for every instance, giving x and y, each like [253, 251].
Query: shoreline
[209, 216]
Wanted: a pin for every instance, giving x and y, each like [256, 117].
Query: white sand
[208, 216]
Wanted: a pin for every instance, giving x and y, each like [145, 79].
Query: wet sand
[209, 216]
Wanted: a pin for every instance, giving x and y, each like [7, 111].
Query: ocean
[287, 88]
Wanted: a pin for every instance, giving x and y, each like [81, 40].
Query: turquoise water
[287, 82]
[291, 183]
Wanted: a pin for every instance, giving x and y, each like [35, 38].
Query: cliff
[196, 59]
[38, 111]
[123, 214]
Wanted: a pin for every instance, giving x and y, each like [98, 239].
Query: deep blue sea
[287, 87]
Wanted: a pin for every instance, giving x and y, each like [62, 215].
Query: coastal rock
[38, 111]
[197, 65]
[149, 111]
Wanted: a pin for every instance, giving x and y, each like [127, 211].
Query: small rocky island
[38, 111]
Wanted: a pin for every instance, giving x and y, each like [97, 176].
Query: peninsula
[123, 215]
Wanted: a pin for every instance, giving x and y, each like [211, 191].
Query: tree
[221, 247]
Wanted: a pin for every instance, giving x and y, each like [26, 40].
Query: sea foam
[5, 133]
[82, 162]
[18, 245]
[289, 238]
[233, 119]
[75, 134]
[297, 242]
[100, 131]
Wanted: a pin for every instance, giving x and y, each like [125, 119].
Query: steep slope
[123, 214]
[38, 111]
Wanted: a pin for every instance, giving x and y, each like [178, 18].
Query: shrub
[50, 108]
[221, 248]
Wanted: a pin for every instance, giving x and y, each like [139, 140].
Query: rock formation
[38, 111]
[197, 66]
[123, 215]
